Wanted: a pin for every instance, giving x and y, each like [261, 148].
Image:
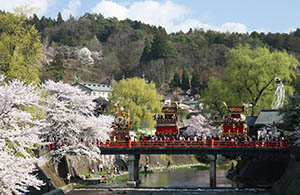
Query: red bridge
[209, 147]
[194, 147]
[190, 147]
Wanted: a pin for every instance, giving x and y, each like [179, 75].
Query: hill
[117, 49]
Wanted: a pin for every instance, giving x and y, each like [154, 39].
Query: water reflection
[187, 177]
[188, 181]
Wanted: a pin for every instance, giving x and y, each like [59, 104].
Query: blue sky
[175, 15]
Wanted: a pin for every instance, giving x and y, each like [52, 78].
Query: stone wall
[289, 183]
[50, 170]
[259, 171]
[79, 165]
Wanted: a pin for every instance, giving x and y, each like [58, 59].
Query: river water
[180, 181]
[185, 177]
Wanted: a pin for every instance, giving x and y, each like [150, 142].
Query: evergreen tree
[34, 20]
[160, 46]
[291, 111]
[56, 68]
[176, 81]
[147, 51]
[195, 83]
[185, 84]
[59, 19]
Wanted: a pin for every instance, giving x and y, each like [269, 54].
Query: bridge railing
[196, 144]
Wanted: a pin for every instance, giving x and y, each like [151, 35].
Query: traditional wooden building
[95, 89]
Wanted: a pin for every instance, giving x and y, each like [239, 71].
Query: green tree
[160, 46]
[147, 51]
[59, 19]
[139, 99]
[215, 97]
[34, 20]
[291, 111]
[249, 77]
[196, 83]
[185, 83]
[175, 82]
[20, 48]
[56, 68]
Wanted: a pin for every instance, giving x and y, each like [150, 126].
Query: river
[179, 181]
[185, 177]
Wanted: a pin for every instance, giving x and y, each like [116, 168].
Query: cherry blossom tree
[200, 126]
[73, 127]
[19, 134]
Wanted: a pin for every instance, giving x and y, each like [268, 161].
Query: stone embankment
[289, 183]
[78, 166]
[259, 171]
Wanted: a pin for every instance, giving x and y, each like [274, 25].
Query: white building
[95, 89]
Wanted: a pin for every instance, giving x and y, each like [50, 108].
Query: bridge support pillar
[133, 170]
[212, 170]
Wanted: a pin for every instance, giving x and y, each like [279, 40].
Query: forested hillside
[131, 48]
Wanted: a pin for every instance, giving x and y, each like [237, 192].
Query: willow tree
[249, 78]
[20, 48]
[139, 99]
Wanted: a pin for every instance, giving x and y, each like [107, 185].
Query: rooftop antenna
[279, 94]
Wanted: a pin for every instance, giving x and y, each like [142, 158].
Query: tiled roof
[96, 86]
[268, 117]
[251, 120]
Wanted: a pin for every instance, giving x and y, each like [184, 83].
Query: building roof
[268, 117]
[251, 120]
[96, 86]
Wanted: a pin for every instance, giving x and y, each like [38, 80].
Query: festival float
[121, 126]
[235, 125]
[167, 122]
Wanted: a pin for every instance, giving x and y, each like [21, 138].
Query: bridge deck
[194, 147]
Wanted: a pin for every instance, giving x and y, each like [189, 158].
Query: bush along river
[193, 180]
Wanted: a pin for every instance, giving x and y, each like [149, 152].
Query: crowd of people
[224, 137]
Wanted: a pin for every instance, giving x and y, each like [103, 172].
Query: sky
[180, 15]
